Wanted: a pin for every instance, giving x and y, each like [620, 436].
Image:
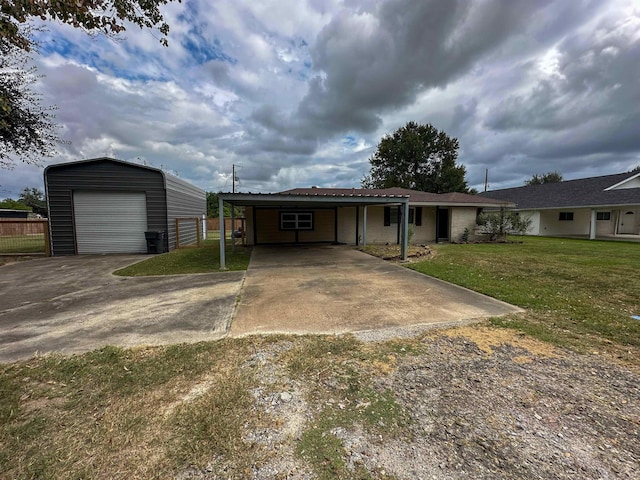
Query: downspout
[223, 263]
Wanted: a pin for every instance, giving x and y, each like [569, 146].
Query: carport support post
[223, 263]
[592, 228]
[233, 230]
[405, 229]
[364, 226]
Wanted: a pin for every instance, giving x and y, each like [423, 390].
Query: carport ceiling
[306, 200]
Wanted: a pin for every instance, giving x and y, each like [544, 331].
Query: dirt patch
[392, 252]
[487, 339]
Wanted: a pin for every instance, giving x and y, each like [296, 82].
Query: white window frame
[296, 220]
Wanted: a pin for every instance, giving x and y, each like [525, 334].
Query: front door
[627, 222]
[442, 224]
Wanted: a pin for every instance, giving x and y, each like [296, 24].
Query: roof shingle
[583, 192]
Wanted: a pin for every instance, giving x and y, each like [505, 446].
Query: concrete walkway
[335, 289]
[74, 304]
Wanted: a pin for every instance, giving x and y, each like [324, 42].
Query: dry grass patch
[117, 413]
[487, 339]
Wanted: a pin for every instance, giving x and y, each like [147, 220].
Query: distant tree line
[31, 199]
[549, 177]
[213, 207]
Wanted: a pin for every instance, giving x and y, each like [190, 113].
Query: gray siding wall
[101, 174]
[183, 201]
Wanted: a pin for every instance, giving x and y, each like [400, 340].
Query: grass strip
[205, 259]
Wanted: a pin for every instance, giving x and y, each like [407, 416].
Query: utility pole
[233, 178]
[486, 179]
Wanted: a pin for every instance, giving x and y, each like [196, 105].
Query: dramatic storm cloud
[298, 93]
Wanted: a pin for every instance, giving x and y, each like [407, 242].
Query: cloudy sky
[299, 92]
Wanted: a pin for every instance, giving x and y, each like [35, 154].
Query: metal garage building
[105, 205]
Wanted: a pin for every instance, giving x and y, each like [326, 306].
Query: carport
[298, 211]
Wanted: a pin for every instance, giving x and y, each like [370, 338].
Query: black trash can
[155, 241]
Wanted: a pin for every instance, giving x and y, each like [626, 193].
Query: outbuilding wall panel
[98, 175]
[183, 200]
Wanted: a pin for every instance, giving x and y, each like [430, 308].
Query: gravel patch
[511, 411]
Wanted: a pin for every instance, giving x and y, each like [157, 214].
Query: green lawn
[578, 293]
[16, 244]
[190, 260]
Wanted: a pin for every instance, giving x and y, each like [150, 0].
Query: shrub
[499, 224]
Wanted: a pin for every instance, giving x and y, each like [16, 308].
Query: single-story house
[104, 205]
[357, 216]
[597, 207]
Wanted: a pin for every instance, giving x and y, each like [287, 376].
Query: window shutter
[418, 218]
[387, 216]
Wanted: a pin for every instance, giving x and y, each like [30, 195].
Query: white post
[592, 227]
[364, 227]
[223, 263]
[204, 227]
[405, 229]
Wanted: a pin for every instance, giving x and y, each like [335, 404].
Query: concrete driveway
[335, 289]
[74, 304]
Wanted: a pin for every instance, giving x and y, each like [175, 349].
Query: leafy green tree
[104, 16]
[34, 198]
[501, 223]
[27, 130]
[12, 204]
[212, 207]
[550, 177]
[419, 157]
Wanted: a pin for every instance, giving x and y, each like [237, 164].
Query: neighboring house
[105, 205]
[595, 207]
[358, 216]
[9, 213]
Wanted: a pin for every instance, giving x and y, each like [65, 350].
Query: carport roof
[361, 196]
[303, 198]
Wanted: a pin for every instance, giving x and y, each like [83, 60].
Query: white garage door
[110, 222]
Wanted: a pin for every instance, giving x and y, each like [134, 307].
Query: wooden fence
[214, 224]
[24, 237]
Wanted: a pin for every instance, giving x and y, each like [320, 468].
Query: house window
[392, 216]
[566, 216]
[603, 215]
[296, 221]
